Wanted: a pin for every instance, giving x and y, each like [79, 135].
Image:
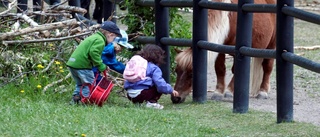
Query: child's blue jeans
[82, 76]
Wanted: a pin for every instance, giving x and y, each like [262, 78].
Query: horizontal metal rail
[228, 49]
[300, 61]
[218, 5]
[176, 3]
[300, 14]
[176, 42]
[261, 53]
[145, 40]
[262, 8]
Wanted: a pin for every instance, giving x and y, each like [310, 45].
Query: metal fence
[284, 53]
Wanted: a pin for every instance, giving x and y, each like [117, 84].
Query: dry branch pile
[50, 27]
[52, 23]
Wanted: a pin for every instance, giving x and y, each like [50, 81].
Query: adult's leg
[75, 3]
[97, 13]
[86, 5]
[108, 8]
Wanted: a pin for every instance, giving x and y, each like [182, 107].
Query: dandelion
[22, 91]
[38, 86]
[83, 135]
[40, 66]
[57, 62]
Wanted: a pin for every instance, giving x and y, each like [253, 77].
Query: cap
[124, 40]
[111, 27]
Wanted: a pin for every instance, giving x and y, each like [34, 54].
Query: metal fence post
[284, 69]
[162, 30]
[241, 62]
[200, 32]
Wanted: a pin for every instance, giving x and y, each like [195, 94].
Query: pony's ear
[177, 50]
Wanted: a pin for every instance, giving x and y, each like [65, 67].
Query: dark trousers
[86, 5]
[151, 95]
[103, 9]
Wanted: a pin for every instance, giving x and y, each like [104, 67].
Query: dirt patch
[306, 106]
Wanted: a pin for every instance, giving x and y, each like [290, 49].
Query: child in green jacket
[88, 55]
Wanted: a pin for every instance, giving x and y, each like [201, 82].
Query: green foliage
[142, 19]
[34, 64]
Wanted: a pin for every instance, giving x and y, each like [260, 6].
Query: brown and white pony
[222, 30]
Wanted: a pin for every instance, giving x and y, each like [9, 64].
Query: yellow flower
[60, 67]
[40, 66]
[61, 70]
[38, 86]
[83, 135]
[50, 44]
[22, 91]
[57, 62]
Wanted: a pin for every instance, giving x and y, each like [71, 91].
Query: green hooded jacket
[88, 53]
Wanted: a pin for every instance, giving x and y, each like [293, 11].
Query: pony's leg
[267, 66]
[230, 89]
[220, 69]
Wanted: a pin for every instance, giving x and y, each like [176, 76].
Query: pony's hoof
[228, 94]
[217, 96]
[262, 95]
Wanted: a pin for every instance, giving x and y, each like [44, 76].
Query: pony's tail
[256, 74]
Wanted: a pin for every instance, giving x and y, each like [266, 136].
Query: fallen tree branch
[307, 48]
[67, 15]
[10, 6]
[56, 82]
[32, 23]
[16, 77]
[44, 40]
[71, 8]
[57, 56]
[48, 26]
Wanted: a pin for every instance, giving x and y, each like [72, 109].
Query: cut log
[44, 40]
[50, 26]
[32, 23]
[71, 8]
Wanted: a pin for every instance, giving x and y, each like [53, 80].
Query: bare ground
[306, 106]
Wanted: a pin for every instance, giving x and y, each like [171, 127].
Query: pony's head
[184, 75]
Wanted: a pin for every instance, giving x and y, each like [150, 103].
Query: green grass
[33, 113]
[306, 33]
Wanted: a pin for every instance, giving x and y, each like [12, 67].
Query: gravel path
[305, 109]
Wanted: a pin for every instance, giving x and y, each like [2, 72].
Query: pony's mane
[184, 59]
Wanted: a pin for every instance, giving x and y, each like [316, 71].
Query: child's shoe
[75, 100]
[154, 105]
